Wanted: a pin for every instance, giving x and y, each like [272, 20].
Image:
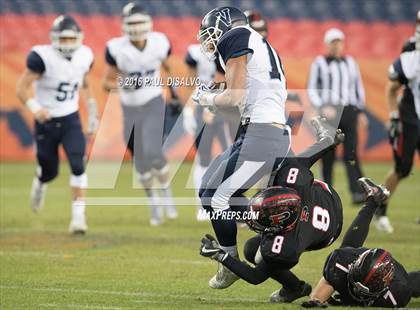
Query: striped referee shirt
[335, 81]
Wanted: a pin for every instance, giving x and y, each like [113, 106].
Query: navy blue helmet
[137, 23]
[216, 23]
[66, 35]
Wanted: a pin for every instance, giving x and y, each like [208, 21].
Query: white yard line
[79, 306]
[131, 294]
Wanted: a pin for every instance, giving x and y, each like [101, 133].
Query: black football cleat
[378, 192]
[285, 295]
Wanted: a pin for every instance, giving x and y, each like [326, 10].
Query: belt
[247, 120]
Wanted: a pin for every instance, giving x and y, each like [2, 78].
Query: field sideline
[123, 263]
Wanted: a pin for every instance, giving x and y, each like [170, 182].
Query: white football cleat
[223, 278]
[156, 217]
[383, 224]
[171, 212]
[78, 226]
[37, 194]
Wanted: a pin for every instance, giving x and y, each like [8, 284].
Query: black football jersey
[336, 270]
[320, 221]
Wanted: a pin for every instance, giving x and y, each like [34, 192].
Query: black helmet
[65, 26]
[278, 210]
[136, 21]
[257, 22]
[216, 23]
[370, 275]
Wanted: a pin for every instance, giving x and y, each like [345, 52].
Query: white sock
[78, 209]
[231, 250]
[198, 175]
[153, 196]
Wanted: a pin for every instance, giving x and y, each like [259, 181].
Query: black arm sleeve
[357, 232]
[315, 152]
[252, 275]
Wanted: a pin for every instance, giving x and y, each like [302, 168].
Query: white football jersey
[58, 88]
[410, 63]
[265, 81]
[206, 68]
[140, 69]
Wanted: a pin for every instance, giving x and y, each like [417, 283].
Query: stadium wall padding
[374, 45]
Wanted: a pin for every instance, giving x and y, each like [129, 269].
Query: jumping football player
[297, 214]
[364, 277]
[135, 60]
[256, 84]
[200, 122]
[405, 118]
[58, 71]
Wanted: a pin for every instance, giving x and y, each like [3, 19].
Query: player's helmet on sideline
[66, 35]
[216, 23]
[278, 210]
[257, 22]
[417, 35]
[137, 23]
[370, 275]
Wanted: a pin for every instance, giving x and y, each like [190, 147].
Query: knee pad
[162, 170]
[47, 173]
[145, 177]
[219, 201]
[79, 181]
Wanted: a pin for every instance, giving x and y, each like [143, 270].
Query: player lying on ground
[58, 71]
[297, 214]
[364, 277]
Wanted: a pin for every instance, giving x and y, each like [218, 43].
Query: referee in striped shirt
[335, 83]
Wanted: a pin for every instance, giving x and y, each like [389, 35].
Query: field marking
[79, 306]
[133, 294]
[69, 255]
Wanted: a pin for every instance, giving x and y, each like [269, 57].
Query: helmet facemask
[66, 41]
[208, 38]
[137, 26]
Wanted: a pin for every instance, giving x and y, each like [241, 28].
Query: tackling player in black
[364, 277]
[296, 214]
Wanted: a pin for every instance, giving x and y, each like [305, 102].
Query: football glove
[211, 248]
[314, 303]
[204, 95]
[93, 121]
[394, 129]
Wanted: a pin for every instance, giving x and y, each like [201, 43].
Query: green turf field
[123, 263]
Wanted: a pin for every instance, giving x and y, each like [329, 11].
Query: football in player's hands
[314, 303]
[211, 248]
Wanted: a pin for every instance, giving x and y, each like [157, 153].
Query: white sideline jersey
[206, 68]
[265, 81]
[140, 69]
[410, 63]
[58, 88]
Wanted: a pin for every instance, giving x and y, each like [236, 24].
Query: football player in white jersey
[134, 60]
[256, 84]
[58, 71]
[203, 124]
[404, 118]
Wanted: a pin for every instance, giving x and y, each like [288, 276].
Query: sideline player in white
[134, 60]
[256, 83]
[203, 124]
[58, 71]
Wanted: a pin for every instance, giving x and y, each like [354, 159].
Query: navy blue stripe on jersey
[234, 44]
[35, 63]
[190, 61]
[169, 51]
[410, 45]
[109, 58]
[399, 72]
